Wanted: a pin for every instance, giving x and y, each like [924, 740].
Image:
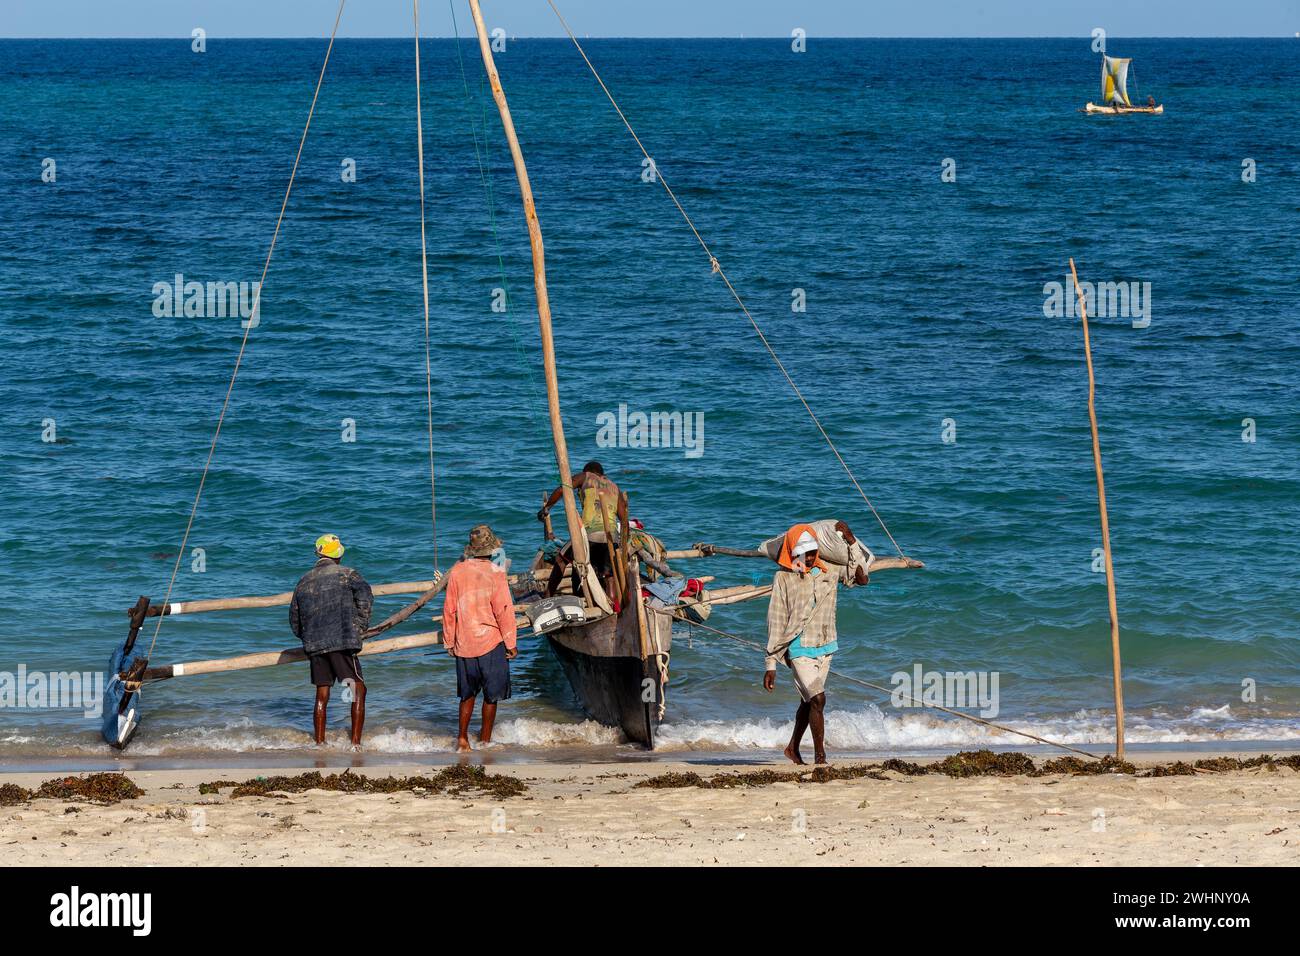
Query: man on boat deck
[478, 629]
[329, 612]
[801, 633]
[598, 500]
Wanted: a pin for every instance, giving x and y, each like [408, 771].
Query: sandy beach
[595, 815]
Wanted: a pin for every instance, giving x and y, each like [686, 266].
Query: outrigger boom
[274, 600]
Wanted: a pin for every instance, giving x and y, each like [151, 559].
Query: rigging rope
[424, 271]
[889, 690]
[248, 327]
[717, 267]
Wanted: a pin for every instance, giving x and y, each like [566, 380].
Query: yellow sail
[1114, 79]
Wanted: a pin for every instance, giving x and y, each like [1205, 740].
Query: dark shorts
[334, 666]
[488, 675]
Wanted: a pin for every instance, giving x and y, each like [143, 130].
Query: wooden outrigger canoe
[1114, 90]
[1123, 110]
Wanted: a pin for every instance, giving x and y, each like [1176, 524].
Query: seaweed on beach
[759, 778]
[671, 781]
[815, 774]
[453, 781]
[1266, 761]
[1226, 764]
[967, 763]
[12, 795]
[750, 778]
[984, 763]
[1071, 765]
[906, 768]
[462, 779]
[849, 772]
[102, 788]
[1179, 768]
[216, 786]
[1086, 768]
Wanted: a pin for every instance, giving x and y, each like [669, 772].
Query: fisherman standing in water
[329, 612]
[801, 633]
[478, 629]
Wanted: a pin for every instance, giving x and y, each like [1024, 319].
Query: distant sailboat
[1114, 89]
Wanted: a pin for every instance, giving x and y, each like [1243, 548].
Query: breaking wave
[864, 730]
[870, 729]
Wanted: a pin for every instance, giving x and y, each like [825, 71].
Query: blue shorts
[488, 675]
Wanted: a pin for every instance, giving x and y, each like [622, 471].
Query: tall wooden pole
[1105, 522]
[543, 301]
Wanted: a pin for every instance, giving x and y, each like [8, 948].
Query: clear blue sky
[650, 18]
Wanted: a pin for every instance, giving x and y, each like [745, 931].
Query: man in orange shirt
[478, 629]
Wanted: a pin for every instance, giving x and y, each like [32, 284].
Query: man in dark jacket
[329, 612]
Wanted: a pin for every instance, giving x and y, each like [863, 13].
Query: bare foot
[820, 760]
[462, 746]
[793, 754]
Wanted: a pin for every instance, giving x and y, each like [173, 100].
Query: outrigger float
[614, 647]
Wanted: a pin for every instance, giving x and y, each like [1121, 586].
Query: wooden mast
[576, 534]
[1105, 523]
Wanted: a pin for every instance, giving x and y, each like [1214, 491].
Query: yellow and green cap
[329, 546]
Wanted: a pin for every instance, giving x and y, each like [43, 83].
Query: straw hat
[482, 542]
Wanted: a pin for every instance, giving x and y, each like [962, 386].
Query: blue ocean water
[818, 171]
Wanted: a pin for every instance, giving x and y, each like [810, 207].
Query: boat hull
[617, 666]
[610, 689]
[1124, 110]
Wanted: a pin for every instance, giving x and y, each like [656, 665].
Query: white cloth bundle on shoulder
[834, 550]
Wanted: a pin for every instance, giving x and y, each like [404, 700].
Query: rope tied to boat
[665, 658]
[889, 690]
[717, 269]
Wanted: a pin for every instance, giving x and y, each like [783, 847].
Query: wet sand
[592, 814]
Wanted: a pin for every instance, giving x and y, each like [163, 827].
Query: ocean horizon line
[565, 39]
